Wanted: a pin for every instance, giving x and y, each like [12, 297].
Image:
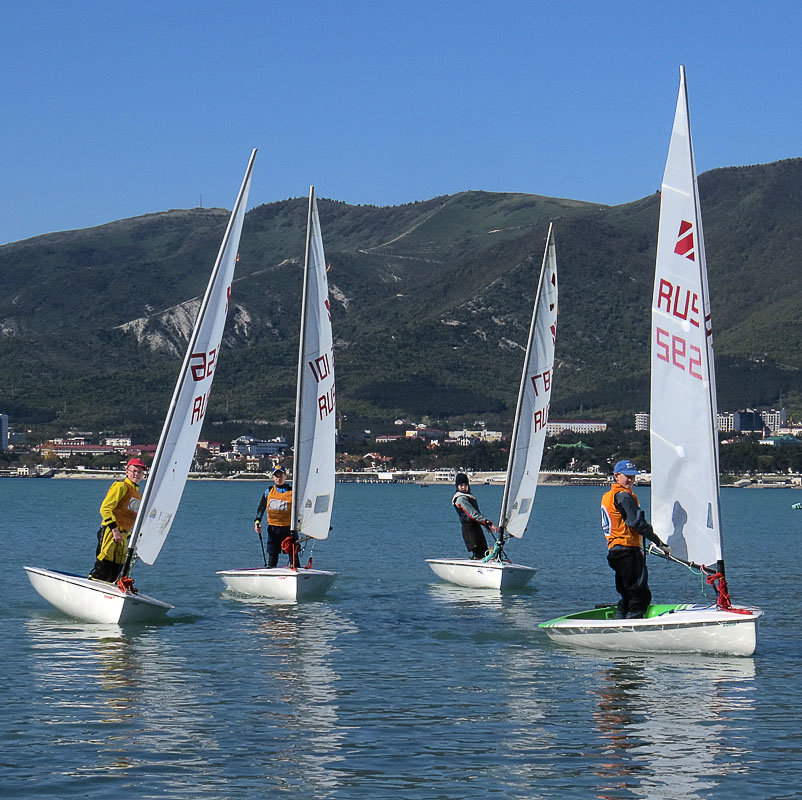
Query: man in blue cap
[625, 526]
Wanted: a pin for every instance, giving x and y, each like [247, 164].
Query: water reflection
[95, 658]
[116, 699]
[449, 593]
[299, 643]
[663, 721]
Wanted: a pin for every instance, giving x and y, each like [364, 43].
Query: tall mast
[709, 361]
[301, 351]
[152, 484]
[522, 388]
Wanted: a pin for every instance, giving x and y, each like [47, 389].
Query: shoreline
[415, 479]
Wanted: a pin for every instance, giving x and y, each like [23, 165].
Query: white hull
[279, 583]
[95, 601]
[688, 629]
[501, 575]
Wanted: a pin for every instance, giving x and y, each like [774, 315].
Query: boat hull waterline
[95, 601]
[680, 628]
[279, 583]
[501, 575]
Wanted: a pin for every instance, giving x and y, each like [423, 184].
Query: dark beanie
[461, 478]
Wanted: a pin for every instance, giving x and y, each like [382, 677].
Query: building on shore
[250, 446]
[556, 427]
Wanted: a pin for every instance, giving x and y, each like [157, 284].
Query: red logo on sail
[685, 246]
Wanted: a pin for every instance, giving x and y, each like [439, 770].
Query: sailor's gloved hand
[665, 548]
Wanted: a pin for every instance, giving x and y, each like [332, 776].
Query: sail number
[322, 368]
[545, 378]
[541, 415]
[203, 365]
[676, 351]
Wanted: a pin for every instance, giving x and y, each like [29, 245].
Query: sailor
[625, 526]
[471, 518]
[277, 501]
[118, 512]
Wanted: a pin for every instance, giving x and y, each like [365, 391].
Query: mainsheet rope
[712, 578]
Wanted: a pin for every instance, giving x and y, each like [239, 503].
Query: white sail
[529, 430]
[179, 436]
[315, 416]
[684, 425]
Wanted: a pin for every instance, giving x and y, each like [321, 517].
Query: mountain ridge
[431, 305]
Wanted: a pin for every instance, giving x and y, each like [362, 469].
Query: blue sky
[111, 109]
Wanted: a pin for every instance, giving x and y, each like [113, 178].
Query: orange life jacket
[279, 507]
[612, 521]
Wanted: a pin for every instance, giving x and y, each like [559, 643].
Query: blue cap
[625, 467]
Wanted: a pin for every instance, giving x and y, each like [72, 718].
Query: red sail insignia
[685, 245]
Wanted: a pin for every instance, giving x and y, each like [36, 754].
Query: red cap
[135, 462]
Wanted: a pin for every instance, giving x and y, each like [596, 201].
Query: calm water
[398, 685]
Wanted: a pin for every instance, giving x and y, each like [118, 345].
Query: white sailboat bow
[526, 446]
[96, 601]
[315, 436]
[684, 436]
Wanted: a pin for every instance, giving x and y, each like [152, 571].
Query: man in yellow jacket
[118, 512]
[625, 526]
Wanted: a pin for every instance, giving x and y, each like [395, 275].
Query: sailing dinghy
[97, 601]
[496, 571]
[315, 438]
[684, 439]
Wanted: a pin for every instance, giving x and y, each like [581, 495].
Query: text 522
[677, 352]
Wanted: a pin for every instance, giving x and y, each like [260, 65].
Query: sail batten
[683, 419]
[182, 426]
[534, 396]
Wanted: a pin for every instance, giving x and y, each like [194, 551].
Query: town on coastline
[760, 448]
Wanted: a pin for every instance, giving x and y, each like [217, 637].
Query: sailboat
[120, 603]
[315, 438]
[684, 439]
[496, 571]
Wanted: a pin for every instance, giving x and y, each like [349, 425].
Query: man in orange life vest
[118, 512]
[277, 501]
[625, 527]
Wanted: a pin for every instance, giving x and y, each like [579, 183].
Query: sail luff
[161, 519]
[684, 438]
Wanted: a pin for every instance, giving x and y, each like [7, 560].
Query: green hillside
[431, 304]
